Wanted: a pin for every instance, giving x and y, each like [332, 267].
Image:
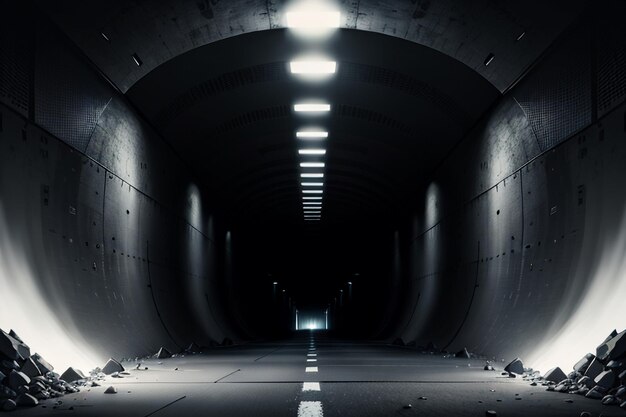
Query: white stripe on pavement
[310, 409]
[311, 386]
[312, 355]
[311, 360]
[311, 369]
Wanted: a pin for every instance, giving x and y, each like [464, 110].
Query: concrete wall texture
[517, 241]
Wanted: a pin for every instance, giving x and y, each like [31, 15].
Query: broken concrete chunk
[586, 381]
[15, 336]
[193, 348]
[516, 366]
[30, 368]
[42, 364]
[112, 366]
[555, 375]
[582, 365]
[163, 354]
[610, 400]
[8, 405]
[463, 353]
[594, 369]
[71, 375]
[594, 393]
[26, 400]
[613, 348]
[111, 390]
[17, 379]
[13, 348]
[606, 379]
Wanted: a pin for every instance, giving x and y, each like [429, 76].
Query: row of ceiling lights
[311, 23]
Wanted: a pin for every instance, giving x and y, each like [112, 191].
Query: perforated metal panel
[15, 68]
[611, 64]
[556, 95]
[69, 97]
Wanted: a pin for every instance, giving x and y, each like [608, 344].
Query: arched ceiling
[400, 103]
[227, 109]
[160, 30]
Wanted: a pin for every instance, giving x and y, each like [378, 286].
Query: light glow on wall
[25, 309]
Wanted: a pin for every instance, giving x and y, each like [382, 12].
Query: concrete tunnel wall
[517, 245]
[107, 243]
[100, 223]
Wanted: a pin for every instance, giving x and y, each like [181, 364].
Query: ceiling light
[312, 165]
[313, 19]
[311, 107]
[312, 151]
[312, 191]
[312, 135]
[137, 60]
[312, 216]
[312, 184]
[311, 198]
[312, 203]
[313, 67]
[312, 175]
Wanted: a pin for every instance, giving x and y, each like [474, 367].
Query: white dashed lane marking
[311, 369]
[311, 386]
[310, 409]
[311, 355]
[311, 360]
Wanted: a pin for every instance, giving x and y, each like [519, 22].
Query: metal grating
[557, 96]
[611, 47]
[69, 96]
[15, 68]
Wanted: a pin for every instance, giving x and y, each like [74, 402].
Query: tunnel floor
[312, 375]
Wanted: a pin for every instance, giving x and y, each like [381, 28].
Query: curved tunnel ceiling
[227, 109]
[110, 32]
[215, 82]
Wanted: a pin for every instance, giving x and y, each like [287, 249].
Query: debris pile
[26, 379]
[600, 376]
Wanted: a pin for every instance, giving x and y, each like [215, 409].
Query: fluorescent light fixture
[313, 19]
[312, 151]
[311, 107]
[312, 216]
[312, 184]
[311, 198]
[312, 175]
[312, 165]
[312, 134]
[313, 67]
[313, 191]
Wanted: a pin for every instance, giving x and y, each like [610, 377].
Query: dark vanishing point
[309, 208]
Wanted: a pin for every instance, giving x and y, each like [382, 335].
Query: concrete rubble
[26, 380]
[600, 376]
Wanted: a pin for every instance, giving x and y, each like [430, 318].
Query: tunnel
[313, 207]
